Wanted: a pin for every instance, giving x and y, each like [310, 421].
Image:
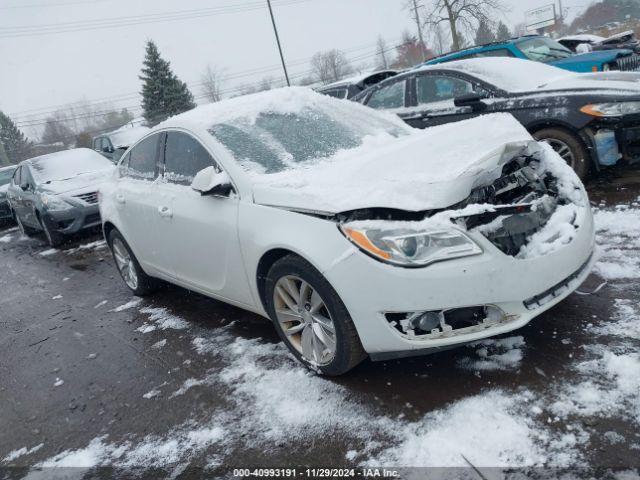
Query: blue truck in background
[547, 50]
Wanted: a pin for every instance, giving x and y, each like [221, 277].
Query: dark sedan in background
[5, 178]
[349, 87]
[58, 193]
[591, 120]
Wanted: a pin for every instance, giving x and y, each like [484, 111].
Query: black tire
[146, 285]
[349, 351]
[580, 156]
[54, 239]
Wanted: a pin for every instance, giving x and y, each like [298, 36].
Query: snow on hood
[429, 169]
[624, 83]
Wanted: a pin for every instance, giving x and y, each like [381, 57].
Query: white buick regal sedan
[354, 233]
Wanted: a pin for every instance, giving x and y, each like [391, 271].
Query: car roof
[481, 48]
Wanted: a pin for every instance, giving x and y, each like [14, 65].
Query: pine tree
[4, 160]
[163, 93]
[503, 32]
[484, 34]
[16, 146]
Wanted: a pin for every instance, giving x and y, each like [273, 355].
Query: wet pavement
[91, 376]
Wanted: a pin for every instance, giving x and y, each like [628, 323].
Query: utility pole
[422, 45]
[275, 30]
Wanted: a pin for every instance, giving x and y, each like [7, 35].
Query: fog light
[426, 321]
[493, 314]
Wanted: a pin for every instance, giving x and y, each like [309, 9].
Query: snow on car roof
[67, 164]
[287, 100]
[583, 37]
[127, 136]
[509, 74]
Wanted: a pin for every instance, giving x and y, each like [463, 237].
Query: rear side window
[142, 159]
[184, 156]
[389, 96]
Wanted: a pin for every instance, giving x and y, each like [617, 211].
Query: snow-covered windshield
[274, 141]
[5, 176]
[67, 164]
[542, 49]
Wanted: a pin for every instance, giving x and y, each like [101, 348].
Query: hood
[86, 182]
[588, 60]
[622, 82]
[428, 169]
[4, 188]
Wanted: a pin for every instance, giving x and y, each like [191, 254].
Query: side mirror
[24, 186]
[473, 100]
[209, 182]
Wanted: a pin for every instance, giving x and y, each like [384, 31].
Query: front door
[199, 232]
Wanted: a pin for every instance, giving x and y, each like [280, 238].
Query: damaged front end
[526, 207]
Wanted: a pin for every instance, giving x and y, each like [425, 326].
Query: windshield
[542, 49]
[276, 141]
[67, 164]
[5, 176]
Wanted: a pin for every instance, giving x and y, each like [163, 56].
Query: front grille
[510, 226]
[91, 197]
[628, 63]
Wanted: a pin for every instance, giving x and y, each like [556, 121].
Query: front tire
[26, 231]
[54, 239]
[568, 146]
[130, 270]
[310, 317]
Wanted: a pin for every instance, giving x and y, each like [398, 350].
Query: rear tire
[130, 270]
[317, 323]
[569, 147]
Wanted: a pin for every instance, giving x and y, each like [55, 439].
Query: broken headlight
[411, 248]
[613, 109]
[53, 202]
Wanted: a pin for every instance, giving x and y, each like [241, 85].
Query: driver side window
[389, 96]
[184, 156]
[440, 90]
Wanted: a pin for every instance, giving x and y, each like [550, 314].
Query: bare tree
[381, 54]
[462, 15]
[439, 40]
[330, 66]
[212, 83]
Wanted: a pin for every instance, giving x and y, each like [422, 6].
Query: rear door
[433, 98]
[136, 199]
[199, 232]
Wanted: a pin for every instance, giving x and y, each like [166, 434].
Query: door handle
[165, 212]
[120, 198]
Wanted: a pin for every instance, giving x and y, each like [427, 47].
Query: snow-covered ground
[553, 421]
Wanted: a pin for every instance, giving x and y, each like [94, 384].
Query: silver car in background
[5, 178]
[58, 193]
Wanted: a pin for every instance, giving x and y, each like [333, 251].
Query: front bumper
[521, 288]
[73, 220]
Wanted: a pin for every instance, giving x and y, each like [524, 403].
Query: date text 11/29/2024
[315, 473]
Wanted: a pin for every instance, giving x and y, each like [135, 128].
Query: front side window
[142, 159]
[541, 49]
[434, 89]
[184, 156]
[389, 96]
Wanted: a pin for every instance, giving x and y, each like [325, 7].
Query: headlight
[53, 202]
[611, 109]
[410, 248]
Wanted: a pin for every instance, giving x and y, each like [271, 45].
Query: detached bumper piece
[545, 297]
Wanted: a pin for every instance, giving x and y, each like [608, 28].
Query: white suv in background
[354, 233]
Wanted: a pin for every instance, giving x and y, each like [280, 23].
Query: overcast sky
[40, 72]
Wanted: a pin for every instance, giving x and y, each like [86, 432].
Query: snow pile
[626, 322]
[6, 238]
[48, 252]
[130, 304]
[618, 234]
[495, 354]
[97, 245]
[160, 318]
[13, 455]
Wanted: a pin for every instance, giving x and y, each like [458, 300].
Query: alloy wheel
[561, 149]
[125, 264]
[305, 319]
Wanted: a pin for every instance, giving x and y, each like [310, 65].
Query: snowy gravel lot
[92, 377]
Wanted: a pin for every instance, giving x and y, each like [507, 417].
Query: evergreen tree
[484, 34]
[503, 32]
[163, 93]
[4, 160]
[16, 146]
